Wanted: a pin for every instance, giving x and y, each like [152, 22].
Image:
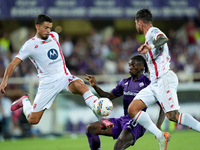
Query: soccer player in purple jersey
[125, 130]
[45, 53]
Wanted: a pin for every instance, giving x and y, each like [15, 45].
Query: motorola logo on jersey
[52, 54]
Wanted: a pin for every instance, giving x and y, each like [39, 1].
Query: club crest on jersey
[141, 84]
[52, 54]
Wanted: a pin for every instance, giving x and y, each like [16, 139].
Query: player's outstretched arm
[9, 71]
[100, 92]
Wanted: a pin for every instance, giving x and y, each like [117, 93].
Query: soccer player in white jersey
[45, 53]
[164, 82]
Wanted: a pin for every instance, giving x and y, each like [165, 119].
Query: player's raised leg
[79, 87]
[24, 102]
[184, 119]
[135, 111]
[188, 120]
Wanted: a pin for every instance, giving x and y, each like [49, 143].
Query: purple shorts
[126, 122]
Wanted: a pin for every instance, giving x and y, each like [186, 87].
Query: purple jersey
[129, 89]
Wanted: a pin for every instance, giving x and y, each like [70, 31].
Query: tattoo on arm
[160, 41]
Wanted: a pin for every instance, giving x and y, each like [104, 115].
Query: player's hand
[91, 79]
[144, 49]
[2, 88]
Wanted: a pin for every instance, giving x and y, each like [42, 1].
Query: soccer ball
[103, 107]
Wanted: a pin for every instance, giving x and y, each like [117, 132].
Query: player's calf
[173, 115]
[34, 117]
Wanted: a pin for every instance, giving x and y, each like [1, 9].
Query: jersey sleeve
[56, 35]
[24, 52]
[156, 33]
[118, 90]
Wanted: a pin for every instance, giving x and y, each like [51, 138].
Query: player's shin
[143, 119]
[27, 107]
[90, 98]
[94, 141]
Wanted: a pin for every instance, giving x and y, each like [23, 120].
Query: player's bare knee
[90, 128]
[132, 111]
[173, 115]
[135, 107]
[79, 87]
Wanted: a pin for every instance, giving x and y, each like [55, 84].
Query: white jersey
[158, 59]
[47, 57]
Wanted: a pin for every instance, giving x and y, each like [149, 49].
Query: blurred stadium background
[97, 37]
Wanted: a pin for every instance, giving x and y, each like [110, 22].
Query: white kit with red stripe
[54, 76]
[164, 82]
[158, 59]
[47, 57]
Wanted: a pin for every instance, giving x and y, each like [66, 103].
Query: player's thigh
[46, 95]
[146, 95]
[35, 116]
[78, 87]
[166, 92]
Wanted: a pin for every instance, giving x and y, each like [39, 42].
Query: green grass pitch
[180, 140]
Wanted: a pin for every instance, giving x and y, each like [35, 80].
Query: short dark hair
[140, 59]
[42, 18]
[145, 15]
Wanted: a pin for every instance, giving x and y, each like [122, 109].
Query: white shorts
[47, 92]
[163, 90]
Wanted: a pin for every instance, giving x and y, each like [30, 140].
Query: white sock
[143, 119]
[188, 120]
[26, 107]
[90, 98]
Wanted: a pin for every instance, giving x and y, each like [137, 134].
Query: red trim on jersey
[159, 34]
[18, 58]
[154, 62]
[60, 52]
[138, 115]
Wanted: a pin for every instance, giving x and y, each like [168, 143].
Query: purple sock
[94, 141]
